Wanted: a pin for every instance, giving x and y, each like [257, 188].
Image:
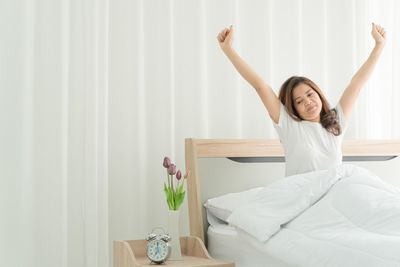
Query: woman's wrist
[229, 51]
[379, 44]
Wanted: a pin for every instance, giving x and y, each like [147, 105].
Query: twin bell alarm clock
[158, 249]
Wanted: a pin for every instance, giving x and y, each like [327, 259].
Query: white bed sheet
[356, 223]
[226, 243]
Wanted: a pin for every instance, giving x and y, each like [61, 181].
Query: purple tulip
[178, 175]
[167, 162]
[172, 169]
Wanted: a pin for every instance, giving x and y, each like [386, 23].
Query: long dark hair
[329, 117]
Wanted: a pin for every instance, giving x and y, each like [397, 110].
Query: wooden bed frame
[354, 150]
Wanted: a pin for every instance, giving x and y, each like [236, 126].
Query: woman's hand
[225, 38]
[378, 33]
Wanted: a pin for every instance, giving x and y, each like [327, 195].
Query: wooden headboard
[354, 150]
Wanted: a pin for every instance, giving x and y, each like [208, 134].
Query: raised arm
[352, 91]
[267, 95]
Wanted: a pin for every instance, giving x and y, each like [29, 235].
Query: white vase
[173, 231]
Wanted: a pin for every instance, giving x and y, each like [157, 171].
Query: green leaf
[174, 197]
[165, 188]
[170, 199]
[166, 193]
[179, 199]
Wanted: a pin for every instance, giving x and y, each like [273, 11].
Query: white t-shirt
[309, 146]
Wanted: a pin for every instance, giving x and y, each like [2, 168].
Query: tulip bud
[172, 169]
[178, 175]
[187, 174]
[167, 162]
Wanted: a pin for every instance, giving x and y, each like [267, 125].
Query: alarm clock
[158, 249]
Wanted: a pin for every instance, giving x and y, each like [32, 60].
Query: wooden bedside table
[132, 253]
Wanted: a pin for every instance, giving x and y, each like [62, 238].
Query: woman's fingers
[226, 33]
[378, 33]
[223, 34]
[379, 28]
[220, 36]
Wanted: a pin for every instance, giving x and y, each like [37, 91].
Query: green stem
[174, 193]
[169, 184]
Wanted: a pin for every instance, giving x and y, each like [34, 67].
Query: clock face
[158, 250]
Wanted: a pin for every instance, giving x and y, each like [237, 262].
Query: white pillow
[222, 206]
[280, 202]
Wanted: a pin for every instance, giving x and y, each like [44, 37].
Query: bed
[313, 233]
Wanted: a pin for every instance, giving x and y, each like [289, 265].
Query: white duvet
[339, 217]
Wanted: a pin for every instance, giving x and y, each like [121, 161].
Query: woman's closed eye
[300, 101]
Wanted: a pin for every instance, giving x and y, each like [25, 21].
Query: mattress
[226, 243]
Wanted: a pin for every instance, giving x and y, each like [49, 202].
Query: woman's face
[307, 102]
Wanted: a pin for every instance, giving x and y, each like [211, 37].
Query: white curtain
[95, 93]
[54, 130]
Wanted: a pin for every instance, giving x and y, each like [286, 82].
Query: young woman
[310, 131]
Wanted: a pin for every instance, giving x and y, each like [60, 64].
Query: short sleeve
[342, 120]
[283, 124]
